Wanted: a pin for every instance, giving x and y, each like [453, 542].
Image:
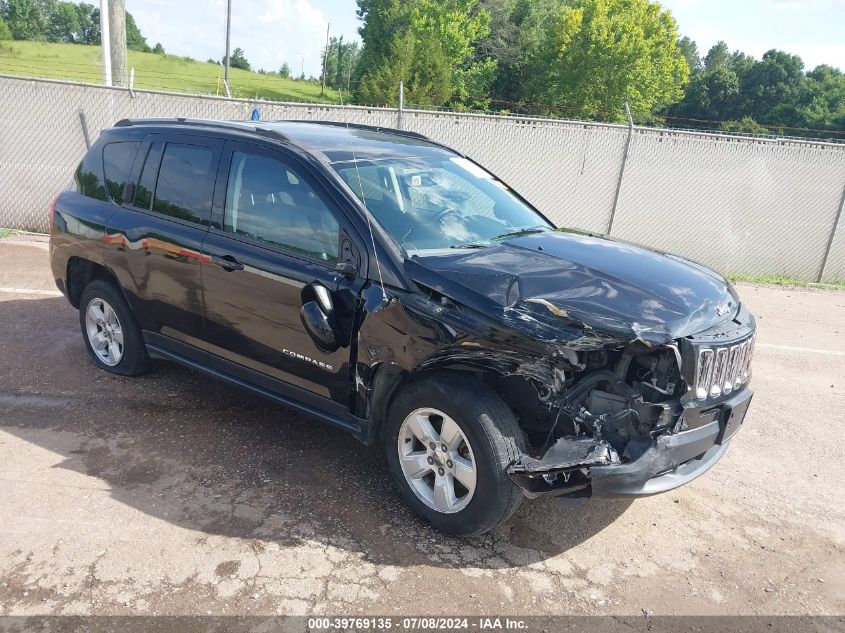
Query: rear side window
[89, 177]
[184, 184]
[117, 164]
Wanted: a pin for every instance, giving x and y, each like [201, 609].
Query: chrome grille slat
[719, 372]
[722, 369]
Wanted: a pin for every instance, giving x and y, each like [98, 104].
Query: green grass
[78, 62]
[6, 233]
[782, 280]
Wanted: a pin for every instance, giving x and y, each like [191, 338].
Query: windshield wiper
[519, 232]
[469, 245]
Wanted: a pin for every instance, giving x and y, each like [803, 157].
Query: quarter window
[88, 177]
[184, 187]
[270, 201]
[117, 162]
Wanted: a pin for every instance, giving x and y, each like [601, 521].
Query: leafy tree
[25, 19]
[712, 95]
[439, 34]
[518, 30]
[158, 49]
[746, 125]
[134, 40]
[89, 23]
[284, 71]
[341, 61]
[771, 87]
[457, 25]
[64, 23]
[821, 104]
[5, 33]
[238, 60]
[773, 94]
[382, 21]
[598, 54]
[718, 56]
[689, 49]
[421, 65]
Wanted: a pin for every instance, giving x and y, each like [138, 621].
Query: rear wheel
[448, 444]
[111, 333]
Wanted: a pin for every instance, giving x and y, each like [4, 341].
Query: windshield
[429, 203]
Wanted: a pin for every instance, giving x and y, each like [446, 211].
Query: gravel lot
[175, 494]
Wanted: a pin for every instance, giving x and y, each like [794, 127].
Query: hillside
[79, 62]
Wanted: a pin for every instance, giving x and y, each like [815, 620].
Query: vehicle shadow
[192, 451]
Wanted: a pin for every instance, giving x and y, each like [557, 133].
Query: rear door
[276, 237]
[154, 242]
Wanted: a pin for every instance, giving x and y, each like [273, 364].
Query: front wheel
[448, 445]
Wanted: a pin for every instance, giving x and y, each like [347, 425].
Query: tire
[108, 324]
[491, 441]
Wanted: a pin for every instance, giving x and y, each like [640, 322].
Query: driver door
[272, 253]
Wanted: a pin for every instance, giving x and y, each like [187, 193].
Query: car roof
[330, 141]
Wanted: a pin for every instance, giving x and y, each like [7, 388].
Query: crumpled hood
[578, 290]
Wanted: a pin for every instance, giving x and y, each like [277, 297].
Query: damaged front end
[627, 425]
[611, 413]
[627, 369]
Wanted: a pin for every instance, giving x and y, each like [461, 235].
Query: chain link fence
[749, 206]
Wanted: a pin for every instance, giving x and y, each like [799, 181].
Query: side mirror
[318, 326]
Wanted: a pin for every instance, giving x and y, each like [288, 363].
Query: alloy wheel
[437, 460]
[105, 333]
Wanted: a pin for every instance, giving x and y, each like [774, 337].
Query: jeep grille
[722, 369]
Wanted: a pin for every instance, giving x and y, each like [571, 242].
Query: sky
[812, 29]
[272, 32]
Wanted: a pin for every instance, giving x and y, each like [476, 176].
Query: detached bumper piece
[563, 469]
[587, 467]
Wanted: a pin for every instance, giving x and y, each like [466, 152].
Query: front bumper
[670, 461]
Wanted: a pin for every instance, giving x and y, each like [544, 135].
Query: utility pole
[117, 43]
[325, 60]
[228, 54]
[105, 41]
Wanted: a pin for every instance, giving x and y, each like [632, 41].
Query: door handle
[227, 262]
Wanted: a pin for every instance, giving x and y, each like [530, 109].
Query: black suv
[394, 288]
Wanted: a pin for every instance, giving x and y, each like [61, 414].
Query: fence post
[622, 167]
[84, 129]
[832, 236]
[401, 105]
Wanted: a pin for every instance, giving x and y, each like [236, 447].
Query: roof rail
[361, 126]
[248, 126]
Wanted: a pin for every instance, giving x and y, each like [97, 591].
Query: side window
[268, 200]
[184, 182]
[89, 177]
[117, 164]
[144, 193]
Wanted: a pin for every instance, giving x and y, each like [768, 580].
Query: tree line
[585, 59]
[580, 59]
[66, 22]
